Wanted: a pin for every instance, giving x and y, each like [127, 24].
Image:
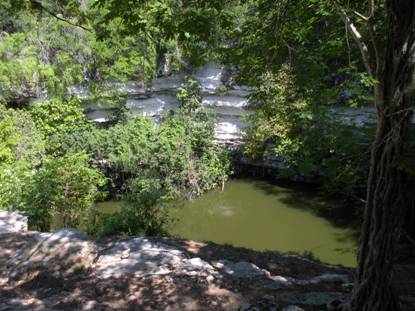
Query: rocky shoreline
[66, 270]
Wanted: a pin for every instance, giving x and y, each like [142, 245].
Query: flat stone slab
[311, 298]
[325, 278]
[13, 221]
[241, 269]
[137, 256]
[196, 266]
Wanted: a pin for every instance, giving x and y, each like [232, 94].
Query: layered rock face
[227, 103]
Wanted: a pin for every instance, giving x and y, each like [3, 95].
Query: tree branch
[357, 37]
[361, 16]
[374, 44]
[349, 54]
[40, 6]
[371, 8]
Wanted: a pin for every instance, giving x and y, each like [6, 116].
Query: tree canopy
[302, 61]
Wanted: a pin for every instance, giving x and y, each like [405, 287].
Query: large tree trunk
[388, 194]
[387, 200]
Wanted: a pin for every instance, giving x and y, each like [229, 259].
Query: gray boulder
[12, 221]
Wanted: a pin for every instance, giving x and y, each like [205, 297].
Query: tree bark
[389, 192]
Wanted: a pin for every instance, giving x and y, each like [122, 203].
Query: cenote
[262, 216]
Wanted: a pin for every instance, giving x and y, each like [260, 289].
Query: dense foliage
[312, 142]
[296, 56]
[64, 187]
[53, 165]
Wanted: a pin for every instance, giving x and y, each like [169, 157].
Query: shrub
[64, 186]
[8, 138]
[56, 117]
[15, 180]
[144, 212]
[21, 151]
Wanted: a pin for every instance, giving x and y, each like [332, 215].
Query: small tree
[65, 186]
[190, 99]
[282, 117]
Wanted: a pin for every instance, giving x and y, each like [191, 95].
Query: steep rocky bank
[228, 102]
[65, 270]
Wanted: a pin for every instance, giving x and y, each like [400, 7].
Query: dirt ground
[174, 291]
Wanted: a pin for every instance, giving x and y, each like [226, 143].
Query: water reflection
[262, 216]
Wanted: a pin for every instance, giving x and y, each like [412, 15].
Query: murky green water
[262, 216]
